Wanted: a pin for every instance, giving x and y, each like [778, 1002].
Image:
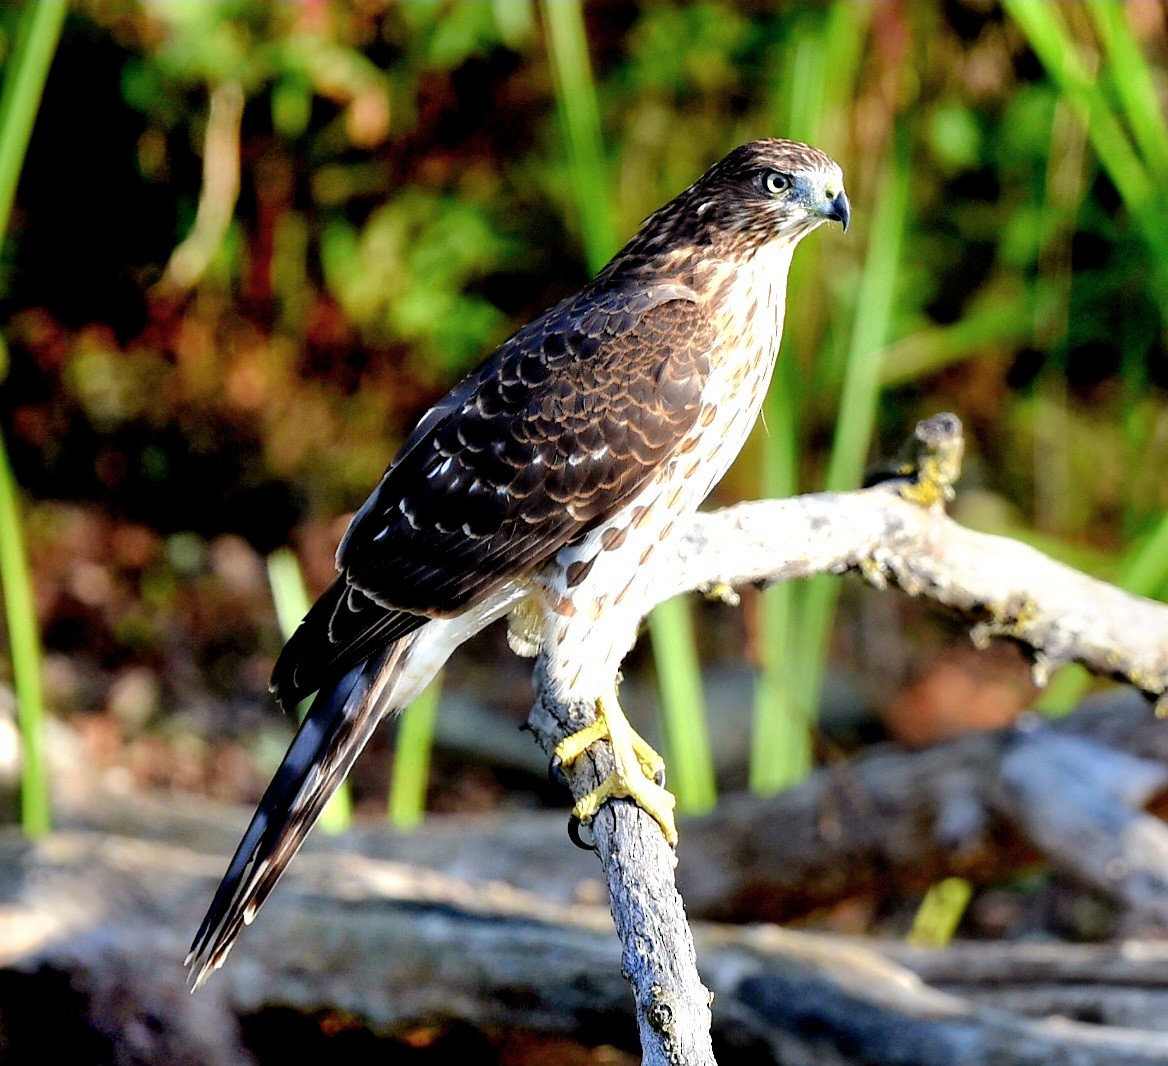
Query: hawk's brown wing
[556, 431]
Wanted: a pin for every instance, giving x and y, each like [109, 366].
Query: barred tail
[338, 725]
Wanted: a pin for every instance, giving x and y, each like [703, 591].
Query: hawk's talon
[556, 773]
[638, 772]
[651, 763]
[574, 826]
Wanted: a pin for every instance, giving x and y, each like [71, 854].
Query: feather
[338, 725]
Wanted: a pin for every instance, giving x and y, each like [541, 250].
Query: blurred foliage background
[252, 242]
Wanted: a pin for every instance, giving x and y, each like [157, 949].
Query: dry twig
[220, 191]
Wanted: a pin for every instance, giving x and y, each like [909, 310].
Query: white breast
[749, 327]
[752, 311]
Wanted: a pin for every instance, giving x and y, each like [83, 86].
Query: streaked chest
[599, 572]
[747, 304]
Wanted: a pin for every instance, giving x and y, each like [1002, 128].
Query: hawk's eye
[775, 182]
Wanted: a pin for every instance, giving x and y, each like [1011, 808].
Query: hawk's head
[770, 190]
[762, 192]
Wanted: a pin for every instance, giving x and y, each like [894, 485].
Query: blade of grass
[25, 649]
[289, 594]
[691, 764]
[670, 625]
[1046, 33]
[24, 81]
[780, 743]
[580, 118]
[1144, 569]
[780, 749]
[940, 913]
[37, 35]
[1128, 70]
[871, 326]
[1003, 322]
[812, 90]
[411, 760]
[291, 599]
[861, 390]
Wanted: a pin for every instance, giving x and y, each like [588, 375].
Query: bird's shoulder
[618, 328]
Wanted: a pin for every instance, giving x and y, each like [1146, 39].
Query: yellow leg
[636, 767]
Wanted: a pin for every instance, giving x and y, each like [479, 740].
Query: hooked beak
[837, 209]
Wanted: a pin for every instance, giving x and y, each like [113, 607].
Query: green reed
[1128, 131]
[36, 40]
[856, 417]
[1107, 131]
[688, 754]
[25, 649]
[291, 599]
[780, 748]
[411, 758]
[820, 64]
[940, 913]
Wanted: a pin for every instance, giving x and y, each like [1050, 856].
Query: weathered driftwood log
[1120, 985]
[1072, 792]
[398, 948]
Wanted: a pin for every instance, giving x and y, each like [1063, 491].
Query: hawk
[539, 488]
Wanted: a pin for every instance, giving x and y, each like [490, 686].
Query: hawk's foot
[639, 773]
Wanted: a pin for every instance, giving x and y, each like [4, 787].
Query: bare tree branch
[898, 534]
[895, 533]
[658, 957]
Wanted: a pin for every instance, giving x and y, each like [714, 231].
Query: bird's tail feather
[338, 725]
